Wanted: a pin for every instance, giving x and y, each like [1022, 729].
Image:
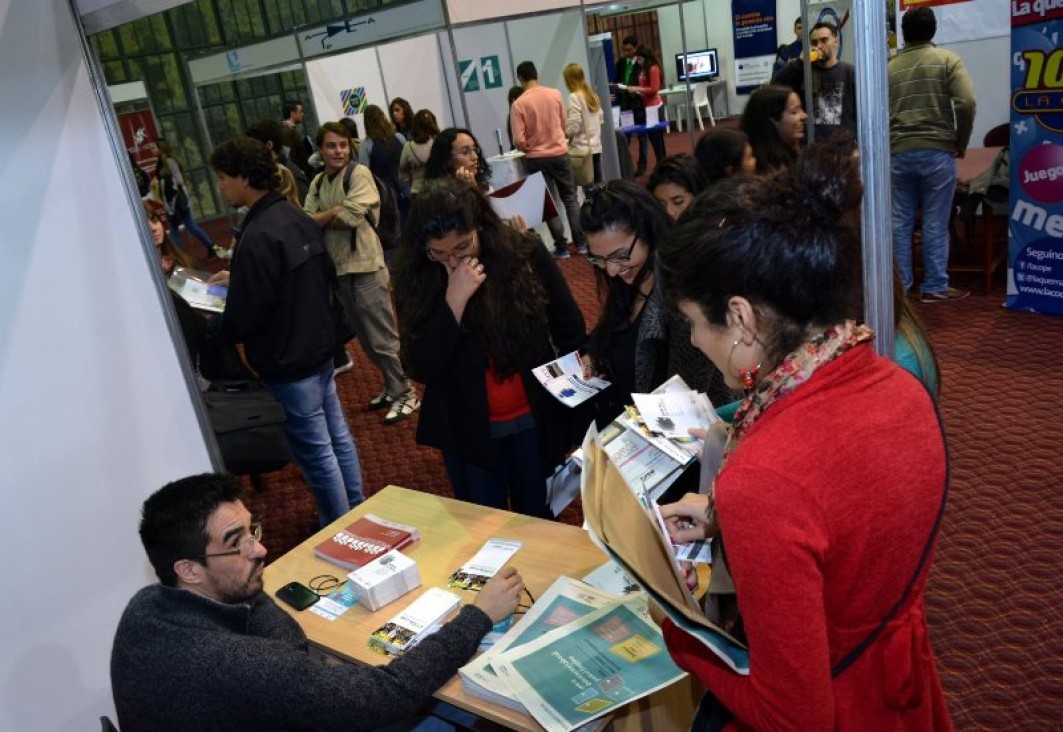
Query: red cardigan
[825, 508]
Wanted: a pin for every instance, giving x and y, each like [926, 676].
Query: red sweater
[825, 508]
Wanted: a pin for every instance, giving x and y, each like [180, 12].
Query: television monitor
[698, 65]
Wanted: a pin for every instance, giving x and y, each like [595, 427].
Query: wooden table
[451, 532]
[973, 164]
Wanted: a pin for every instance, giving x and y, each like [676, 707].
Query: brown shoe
[946, 295]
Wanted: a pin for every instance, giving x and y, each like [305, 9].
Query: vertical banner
[753, 22]
[1035, 223]
[139, 134]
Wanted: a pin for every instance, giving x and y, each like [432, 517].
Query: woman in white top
[584, 124]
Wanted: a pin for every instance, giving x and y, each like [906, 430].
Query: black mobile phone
[298, 596]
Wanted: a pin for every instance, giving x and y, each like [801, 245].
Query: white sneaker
[402, 407]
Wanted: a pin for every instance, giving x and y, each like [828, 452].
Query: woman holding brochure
[834, 478]
[481, 305]
[638, 342]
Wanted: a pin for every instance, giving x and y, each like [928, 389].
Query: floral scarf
[796, 369]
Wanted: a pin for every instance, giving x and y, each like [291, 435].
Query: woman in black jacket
[481, 305]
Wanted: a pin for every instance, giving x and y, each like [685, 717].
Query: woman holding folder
[480, 305]
[833, 481]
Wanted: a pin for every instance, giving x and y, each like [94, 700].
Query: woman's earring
[747, 376]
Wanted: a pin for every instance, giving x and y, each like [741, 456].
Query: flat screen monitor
[698, 65]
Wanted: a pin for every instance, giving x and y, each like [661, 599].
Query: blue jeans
[321, 441]
[926, 177]
[515, 484]
[184, 216]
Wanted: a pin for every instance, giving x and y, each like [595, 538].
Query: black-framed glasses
[244, 546]
[464, 250]
[616, 258]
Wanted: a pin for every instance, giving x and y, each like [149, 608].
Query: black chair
[999, 136]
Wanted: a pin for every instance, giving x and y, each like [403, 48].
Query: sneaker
[344, 368]
[380, 401]
[402, 407]
[222, 253]
[946, 295]
[561, 253]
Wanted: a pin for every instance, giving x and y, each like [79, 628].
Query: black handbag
[248, 425]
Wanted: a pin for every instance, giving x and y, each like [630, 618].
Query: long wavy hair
[763, 110]
[378, 125]
[509, 310]
[622, 205]
[439, 165]
[577, 82]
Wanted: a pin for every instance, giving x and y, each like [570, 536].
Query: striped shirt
[931, 100]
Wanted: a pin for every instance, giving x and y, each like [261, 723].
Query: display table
[451, 532]
[507, 168]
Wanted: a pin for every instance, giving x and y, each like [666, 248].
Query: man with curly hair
[279, 308]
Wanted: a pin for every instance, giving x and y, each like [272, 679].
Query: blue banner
[1035, 221]
[753, 23]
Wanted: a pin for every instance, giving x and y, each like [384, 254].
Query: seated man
[206, 648]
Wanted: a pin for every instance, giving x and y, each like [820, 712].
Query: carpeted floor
[994, 596]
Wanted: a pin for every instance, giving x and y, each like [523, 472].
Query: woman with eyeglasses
[480, 305]
[456, 153]
[833, 481]
[637, 343]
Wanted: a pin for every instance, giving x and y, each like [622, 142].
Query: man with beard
[206, 648]
[833, 83]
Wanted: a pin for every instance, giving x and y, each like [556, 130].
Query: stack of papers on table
[424, 616]
[484, 565]
[364, 540]
[384, 580]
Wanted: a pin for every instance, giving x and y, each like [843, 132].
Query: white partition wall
[96, 413]
[551, 42]
[486, 103]
[413, 69]
[331, 77]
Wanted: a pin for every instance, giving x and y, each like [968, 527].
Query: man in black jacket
[833, 83]
[279, 308]
[207, 649]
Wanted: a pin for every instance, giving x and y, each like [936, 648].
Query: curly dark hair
[515, 329]
[173, 522]
[438, 165]
[248, 158]
[787, 244]
[620, 204]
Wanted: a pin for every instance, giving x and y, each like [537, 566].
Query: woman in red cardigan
[833, 483]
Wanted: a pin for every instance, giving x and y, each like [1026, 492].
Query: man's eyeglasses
[616, 258]
[461, 251]
[244, 546]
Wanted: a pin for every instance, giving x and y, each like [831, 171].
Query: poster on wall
[1035, 223]
[753, 23]
[139, 133]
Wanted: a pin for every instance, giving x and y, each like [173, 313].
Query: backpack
[387, 226]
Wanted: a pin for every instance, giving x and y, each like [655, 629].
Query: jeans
[558, 174]
[515, 484]
[185, 216]
[321, 442]
[927, 178]
[369, 302]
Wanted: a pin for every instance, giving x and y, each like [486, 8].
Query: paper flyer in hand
[564, 601]
[484, 565]
[193, 288]
[590, 666]
[564, 379]
[642, 465]
[673, 414]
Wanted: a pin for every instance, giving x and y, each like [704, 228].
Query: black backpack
[387, 227]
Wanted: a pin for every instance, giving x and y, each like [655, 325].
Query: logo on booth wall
[232, 60]
[353, 101]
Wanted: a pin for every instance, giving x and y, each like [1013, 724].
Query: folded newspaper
[630, 535]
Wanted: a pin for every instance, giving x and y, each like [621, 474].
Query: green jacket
[931, 100]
